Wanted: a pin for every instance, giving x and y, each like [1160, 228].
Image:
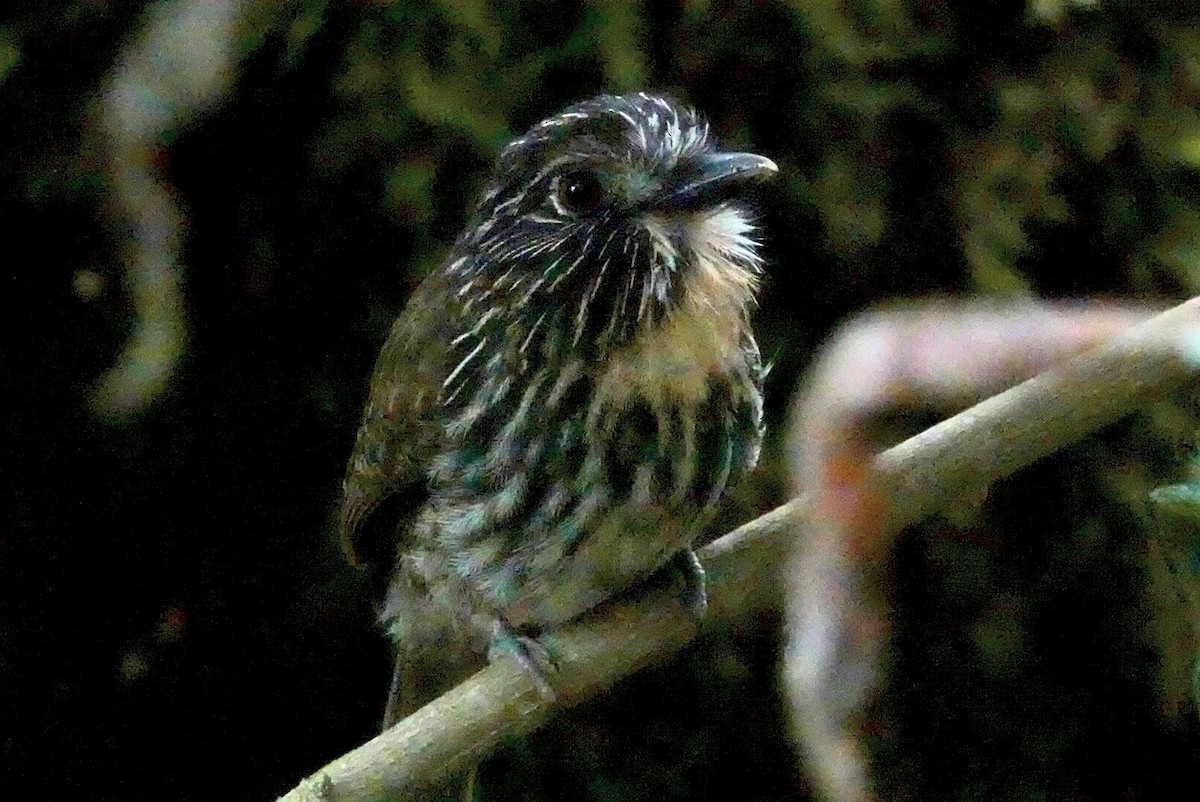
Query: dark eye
[578, 193]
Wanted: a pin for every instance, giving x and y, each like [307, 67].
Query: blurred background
[213, 210]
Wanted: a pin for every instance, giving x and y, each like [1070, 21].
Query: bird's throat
[703, 333]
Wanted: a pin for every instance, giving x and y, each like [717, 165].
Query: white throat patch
[714, 255]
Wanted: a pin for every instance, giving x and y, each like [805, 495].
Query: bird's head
[605, 220]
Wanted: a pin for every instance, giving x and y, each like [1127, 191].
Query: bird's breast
[674, 364]
[581, 480]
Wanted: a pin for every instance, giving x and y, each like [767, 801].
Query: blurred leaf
[616, 27]
[1182, 499]
[10, 52]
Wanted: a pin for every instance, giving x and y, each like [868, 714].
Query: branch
[181, 62]
[838, 623]
[977, 447]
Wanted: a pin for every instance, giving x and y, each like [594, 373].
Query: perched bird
[559, 407]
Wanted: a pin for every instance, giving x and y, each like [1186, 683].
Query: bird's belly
[532, 578]
[540, 517]
[625, 546]
[606, 512]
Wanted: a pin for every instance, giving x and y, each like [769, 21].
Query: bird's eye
[578, 193]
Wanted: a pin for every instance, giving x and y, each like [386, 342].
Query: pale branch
[181, 62]
[838, 622]
[995, 438]
[976, 447]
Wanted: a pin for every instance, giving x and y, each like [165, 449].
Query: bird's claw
[695, 593]
[532, 656]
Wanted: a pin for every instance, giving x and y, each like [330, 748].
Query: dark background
[176, 621]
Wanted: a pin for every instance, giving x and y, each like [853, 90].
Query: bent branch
[960, 455]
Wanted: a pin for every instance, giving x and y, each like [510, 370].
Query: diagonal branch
[985, 443]
[838, 623]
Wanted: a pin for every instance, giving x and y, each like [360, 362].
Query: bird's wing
[386, 479]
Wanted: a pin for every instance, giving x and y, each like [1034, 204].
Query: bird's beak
[714, 177]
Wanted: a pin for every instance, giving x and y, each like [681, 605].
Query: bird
[559, 408]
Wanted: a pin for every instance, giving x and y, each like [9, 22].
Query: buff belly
[541, 585]
[630, 544]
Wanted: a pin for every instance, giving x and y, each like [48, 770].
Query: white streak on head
[465, 361]
[625, 116]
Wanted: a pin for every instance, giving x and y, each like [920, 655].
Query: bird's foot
[695, 593]
[534, 658]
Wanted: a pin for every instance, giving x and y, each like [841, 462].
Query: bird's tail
[415, 683]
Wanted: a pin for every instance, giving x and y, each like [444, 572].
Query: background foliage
[175, 619]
